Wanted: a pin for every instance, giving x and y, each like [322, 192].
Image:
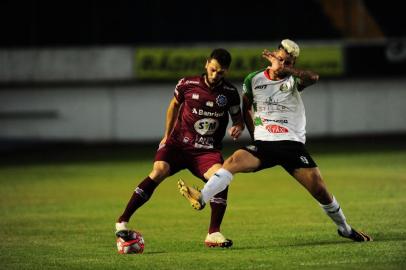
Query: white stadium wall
[66, 64]
[137, 112]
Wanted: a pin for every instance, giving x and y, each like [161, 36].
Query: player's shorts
[197, 161]
[290, 155]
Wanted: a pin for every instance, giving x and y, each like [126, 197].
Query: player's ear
[207, 63]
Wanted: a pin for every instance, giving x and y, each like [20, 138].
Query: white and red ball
[133, 246]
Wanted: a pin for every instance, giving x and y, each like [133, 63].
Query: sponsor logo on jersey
[191, 82]
[258, 121]
[195, 96]
[206, 113]
[206, 126]
[271, 105]
[284, 121]
[209, 103]
[204, 142]
[221, 100]
[276, 129]
[261, 86]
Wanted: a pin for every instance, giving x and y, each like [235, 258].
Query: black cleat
[126, 235]
[356, 236]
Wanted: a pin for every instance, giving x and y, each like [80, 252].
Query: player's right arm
[247, 102]
[171, 117]
[173, 110]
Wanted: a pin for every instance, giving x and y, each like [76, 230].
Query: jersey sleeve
[298, 84]
[235, 103]
[247, 85]
[179, 91]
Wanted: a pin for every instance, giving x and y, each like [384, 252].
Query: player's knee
[235, 159]
[159, 173]
[241, 161]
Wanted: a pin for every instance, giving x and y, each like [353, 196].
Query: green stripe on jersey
[247, 86]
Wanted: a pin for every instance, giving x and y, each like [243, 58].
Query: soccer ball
[133, 246]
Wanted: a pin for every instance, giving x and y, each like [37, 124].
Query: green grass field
[60, 215]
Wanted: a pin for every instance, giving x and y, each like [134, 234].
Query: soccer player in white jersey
[275, 118]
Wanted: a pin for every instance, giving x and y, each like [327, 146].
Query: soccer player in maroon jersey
[196, 122]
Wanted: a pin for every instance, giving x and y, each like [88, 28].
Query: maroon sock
[141, 194]
[218, 207]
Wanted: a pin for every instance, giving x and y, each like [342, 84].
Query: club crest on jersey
[221, 100]
[195, 96]
[284, 87]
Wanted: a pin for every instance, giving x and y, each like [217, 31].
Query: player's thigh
[241, 161]
[168, 161]
[214, 168]
[160, 171]
[204, 164]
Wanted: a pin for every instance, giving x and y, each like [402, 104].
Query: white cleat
[216, 239]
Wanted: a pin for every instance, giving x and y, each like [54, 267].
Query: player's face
[214, 71]
[284, 58]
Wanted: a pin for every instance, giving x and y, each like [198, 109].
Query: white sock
[120, 226]
[217, 183]
[334, 211]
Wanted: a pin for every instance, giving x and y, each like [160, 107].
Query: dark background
[36, 23]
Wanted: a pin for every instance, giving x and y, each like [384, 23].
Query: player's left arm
[237, 127]
[247, 115]
[305, 77]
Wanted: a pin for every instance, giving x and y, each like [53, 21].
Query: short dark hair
[222, 56]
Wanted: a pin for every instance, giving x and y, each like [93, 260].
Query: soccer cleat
[126, 235]
[216, 239]
[356, 236]
[193, 195]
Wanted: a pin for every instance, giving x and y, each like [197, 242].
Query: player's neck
[274, 76]
[210, 85]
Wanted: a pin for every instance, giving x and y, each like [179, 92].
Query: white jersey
[279, 113]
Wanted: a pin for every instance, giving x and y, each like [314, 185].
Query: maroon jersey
[203, 116]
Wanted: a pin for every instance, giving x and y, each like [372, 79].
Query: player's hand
[267, 55]
[276, 64]
[235, 132]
